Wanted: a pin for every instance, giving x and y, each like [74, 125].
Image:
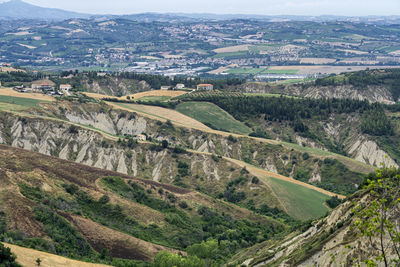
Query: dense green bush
[7, 259]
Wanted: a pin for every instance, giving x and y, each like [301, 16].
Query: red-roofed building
[205, 86]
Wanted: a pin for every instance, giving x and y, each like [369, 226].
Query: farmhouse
[207, 87]
[180, 86]
[43, 85]
[165, 87]
[140, 137]
[64, 88]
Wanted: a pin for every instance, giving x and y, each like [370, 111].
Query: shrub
[333, 202]
[7, 259]
[164, 144]
[73, 129]
[183, 205]
[232, 139]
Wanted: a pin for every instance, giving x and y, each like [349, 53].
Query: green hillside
[213, 116]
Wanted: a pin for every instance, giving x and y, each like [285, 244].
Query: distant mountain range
[18, 9]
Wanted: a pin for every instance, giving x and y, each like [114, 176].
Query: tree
[168, 259]
[164, 144]
[7, 258]
[378, 219]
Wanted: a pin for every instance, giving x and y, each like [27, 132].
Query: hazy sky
[264, 7]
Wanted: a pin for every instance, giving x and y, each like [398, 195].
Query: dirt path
[252, 169]
[11, 92]
[170, 93]
[263, 173]
[260, 173]
[180, 120]
[163, 114]
[27, 258]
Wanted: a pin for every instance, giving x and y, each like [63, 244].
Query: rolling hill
[18, 9]
[106, 214]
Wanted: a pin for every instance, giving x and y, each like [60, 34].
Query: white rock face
[371, 93]
[367, 151]
[111, 123]
[98, 120]
[305, 141]
[55, 138]
[159, 160]
[270, 165]
[315, 176]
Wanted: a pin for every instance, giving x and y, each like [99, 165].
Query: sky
[262, 7]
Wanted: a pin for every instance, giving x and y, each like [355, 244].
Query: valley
[198, 140]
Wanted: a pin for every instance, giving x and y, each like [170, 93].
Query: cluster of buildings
[47, 87]
[201, 87]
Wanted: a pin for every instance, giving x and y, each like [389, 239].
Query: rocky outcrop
[329, 242]
[91, 148]
[115, 86]
[371, 93]
[368, 151]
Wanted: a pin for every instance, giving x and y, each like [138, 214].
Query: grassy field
[300, 202]
[11, 107]
[25, 102]
[246, 71]
[211, 114]
[155, 98]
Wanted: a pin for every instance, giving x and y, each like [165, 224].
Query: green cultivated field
[26, 102]
[212, 115]
[300, 202]
[246, 71]
[154, 98]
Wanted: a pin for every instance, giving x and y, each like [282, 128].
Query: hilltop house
[207, 87]
[180, 86]
[165, 87]
[64, 88]
[43, 86]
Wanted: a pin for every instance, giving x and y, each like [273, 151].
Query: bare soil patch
[119, 244]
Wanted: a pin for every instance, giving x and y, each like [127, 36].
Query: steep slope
[372, 93]
[373, 85]
[43, 200]
[277, 157]
[197, 170]
[332, 241]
